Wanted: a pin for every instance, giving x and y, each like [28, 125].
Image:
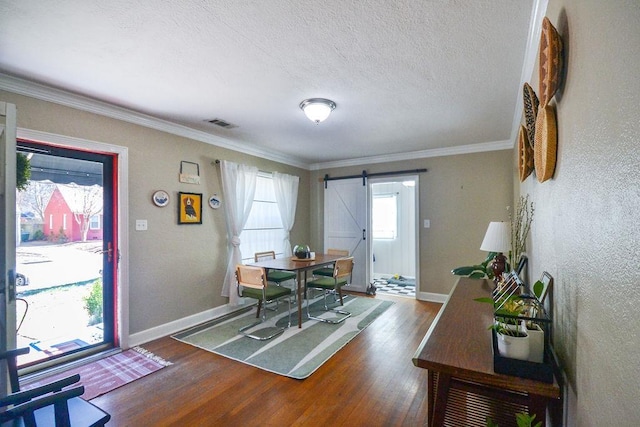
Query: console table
[457, 351]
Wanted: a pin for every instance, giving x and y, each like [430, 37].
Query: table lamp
[497, 239]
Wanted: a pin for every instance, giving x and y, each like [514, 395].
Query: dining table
[300, 266]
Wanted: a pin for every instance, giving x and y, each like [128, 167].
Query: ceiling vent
[222, 123]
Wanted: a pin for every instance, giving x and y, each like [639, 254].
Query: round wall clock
[214, 202]
[160, 198]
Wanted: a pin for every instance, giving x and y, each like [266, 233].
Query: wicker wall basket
[550, 62]
[525, 154]
[530, 112]
[546, 143]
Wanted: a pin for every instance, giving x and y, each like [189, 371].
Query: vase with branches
[520, 225]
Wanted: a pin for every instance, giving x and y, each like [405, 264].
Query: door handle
[364, 234]
[109, 252]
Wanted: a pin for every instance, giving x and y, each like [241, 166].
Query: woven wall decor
[530, 112]
[550, 62]
[544, 151]
[525, 154]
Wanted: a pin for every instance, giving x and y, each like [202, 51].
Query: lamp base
[498, 265]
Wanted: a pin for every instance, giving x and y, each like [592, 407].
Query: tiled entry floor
[404, 290]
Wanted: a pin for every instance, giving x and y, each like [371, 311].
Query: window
[385, 216]
[64, 221]
[94, 222]
[263, 230]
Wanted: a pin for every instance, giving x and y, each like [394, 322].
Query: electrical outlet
[427, 223]
[141, 225]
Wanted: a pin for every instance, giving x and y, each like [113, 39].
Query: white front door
[345, 225]
[8, 223]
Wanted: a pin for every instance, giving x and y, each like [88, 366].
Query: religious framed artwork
[189, 208]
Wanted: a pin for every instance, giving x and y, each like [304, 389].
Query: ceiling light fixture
[317, 109]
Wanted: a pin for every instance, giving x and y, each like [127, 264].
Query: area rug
[109, 373]
[298, 352]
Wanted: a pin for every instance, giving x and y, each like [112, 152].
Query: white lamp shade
[317, 109]
[497, 237]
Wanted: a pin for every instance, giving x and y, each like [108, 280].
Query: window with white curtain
[384, 219]
[263, 230]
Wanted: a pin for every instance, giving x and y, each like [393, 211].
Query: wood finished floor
[369, 382]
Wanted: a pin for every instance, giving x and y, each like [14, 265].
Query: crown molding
[538, 11]
[422, 154]
[83, 103]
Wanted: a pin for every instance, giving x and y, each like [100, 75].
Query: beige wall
[586, 230]
[175, 270]
[459, 194]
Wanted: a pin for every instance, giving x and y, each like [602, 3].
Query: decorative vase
[302, 251]
[512, 346]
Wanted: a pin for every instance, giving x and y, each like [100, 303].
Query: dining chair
[252, 283]
[47, 405]
[342, 272]
[328, 270]
[276, 276]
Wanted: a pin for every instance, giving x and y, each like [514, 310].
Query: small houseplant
[478, 271]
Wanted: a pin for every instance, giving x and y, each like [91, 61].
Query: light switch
[141, 225]
[427, 223]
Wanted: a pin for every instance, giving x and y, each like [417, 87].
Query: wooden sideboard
[457, 351]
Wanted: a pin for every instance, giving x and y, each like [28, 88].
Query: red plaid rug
[107, 374]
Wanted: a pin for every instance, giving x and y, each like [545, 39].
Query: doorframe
[122, 215]
[416, 195]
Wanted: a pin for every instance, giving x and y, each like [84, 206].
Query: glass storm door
[65, 256]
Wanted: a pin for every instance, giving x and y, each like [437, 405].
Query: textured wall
[459, 194]
[586, 230]
[175, 270]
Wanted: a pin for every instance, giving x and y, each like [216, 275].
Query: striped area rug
[297, 353]
[109, 373]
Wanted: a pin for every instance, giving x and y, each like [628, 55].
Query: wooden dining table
[300, 267]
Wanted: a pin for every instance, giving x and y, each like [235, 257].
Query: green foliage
[522, 419]
[538, 287]
[23, 171]
[38, 235]
[93, 302]
[479, 271]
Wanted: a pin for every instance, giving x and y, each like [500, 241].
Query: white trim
[171, 328]
[57, 96]
[123, 213]
[538, 11]
[430, 296]
[83, 103]
[436, 152]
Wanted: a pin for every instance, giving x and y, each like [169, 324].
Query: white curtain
[239, 187]
[286, 187]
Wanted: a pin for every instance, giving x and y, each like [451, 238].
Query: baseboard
[430, 296]
[171, 328]
[178, 325]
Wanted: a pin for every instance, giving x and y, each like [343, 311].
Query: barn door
[345, 225]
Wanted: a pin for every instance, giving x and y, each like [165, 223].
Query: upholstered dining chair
[252, 283]
[276, 276]
[342, 271]
[47, 405]
[328, 271]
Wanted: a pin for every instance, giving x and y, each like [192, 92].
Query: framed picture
[189, 208]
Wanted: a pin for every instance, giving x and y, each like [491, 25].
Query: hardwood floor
[369, 382]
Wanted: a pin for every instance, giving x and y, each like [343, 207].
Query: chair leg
[345, 314]
[256, 334]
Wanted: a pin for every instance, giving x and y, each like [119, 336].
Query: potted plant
[522, 420]
[478, 271]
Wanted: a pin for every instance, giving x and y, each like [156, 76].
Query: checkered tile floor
[389, 288]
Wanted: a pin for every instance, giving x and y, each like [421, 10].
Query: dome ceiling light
[317, 109]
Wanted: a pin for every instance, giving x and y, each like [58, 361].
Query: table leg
[538, 407]
[299, 298]
[440, 406]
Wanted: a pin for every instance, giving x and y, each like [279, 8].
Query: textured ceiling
[405, 75]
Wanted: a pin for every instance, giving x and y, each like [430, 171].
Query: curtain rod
[364, 175]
